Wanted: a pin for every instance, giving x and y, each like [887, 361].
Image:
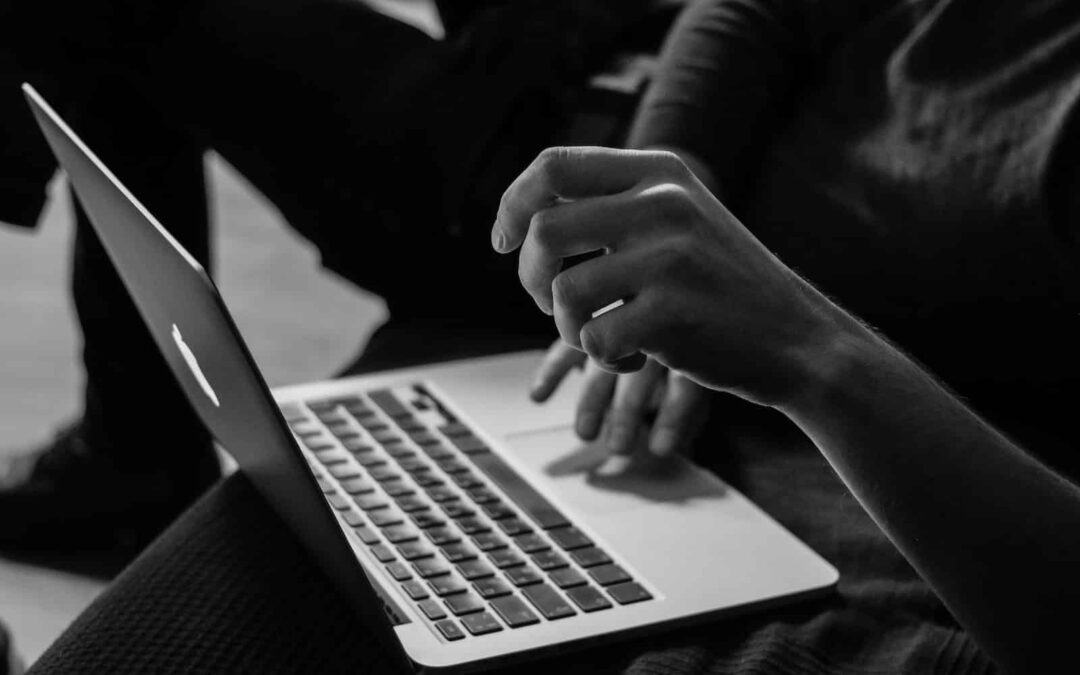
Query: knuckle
[564, 289]
[672, 165]
[594, 344]
[542, 227]
[550, 161]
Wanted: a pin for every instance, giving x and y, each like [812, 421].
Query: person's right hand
[691, 287]
[666, 406]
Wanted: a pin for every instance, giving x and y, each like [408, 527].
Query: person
[913, 160]
[337, 113]
[701, 296]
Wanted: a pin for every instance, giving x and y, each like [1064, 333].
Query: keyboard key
[416, 590]
[451, 465]
[535, 505]
[330, 455]
[339, 502]
[357, 446]
[589, 557]
[567, 578]
[409, 423]
[374, 424]
[357, 486]
[606, 575]
[531, 543]
[414, 550]
[457, 509]
[475, 569]
[340, 428]
[629, 592]
[414, 465]
[427, 480]
[469, 444]
[523, 576]
[369, 460]
[492, 587]
[513, 526]
[410, 503]
[548, 601]
[389, 403]
[442, 535]
[326, 486]
[399, 571]
[399, 451]
[588, 598]
[489, 541]
[472, 525]
[450, 630]
[569, 537]
[383, 473]
[464, 603]
[398, 534]
[482, 495]
[481, 623]
[549, 560]
[447, 585]
[386, 517]
[423, 437]
[343, 471]
[432, 610]
[430, 567]
[438, 451]
[353, 519]
[425, 519]
[466, 480]
[514, 612]
[383, 553]
[441, 493]
[397, 488]
[505, 558]
[497, 510]
[458, 552]
[455, 429]
[367, 535]
[370, 502]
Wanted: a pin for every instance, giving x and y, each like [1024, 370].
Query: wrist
[827, 361]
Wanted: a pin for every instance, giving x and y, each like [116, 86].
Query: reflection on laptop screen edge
[261, 442]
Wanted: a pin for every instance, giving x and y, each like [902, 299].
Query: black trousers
[384, 147]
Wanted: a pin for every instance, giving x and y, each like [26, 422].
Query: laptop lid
[193, 330]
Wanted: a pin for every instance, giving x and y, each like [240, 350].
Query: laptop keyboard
[472, 544]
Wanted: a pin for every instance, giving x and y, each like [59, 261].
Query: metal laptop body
[698, 548]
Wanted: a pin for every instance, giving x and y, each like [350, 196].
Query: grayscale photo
[673, 337]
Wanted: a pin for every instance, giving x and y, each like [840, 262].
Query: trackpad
[585, 476]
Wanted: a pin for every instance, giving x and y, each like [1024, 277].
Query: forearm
[991, 529]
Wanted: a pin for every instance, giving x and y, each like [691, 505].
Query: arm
[729, 75]
[990, 528]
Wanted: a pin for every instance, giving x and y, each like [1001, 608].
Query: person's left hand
[666, 406]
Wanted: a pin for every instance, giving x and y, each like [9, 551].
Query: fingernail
[498, 240]
[663, 442]
[586, 426]
[619, 440]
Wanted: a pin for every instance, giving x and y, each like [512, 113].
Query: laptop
[467, 526]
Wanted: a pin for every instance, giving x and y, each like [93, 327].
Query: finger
[584, 291]
[558, 361]
[572, 229]
[571, 173]
[618, 339]
[682, 413]
[594, 401]
[633, 392]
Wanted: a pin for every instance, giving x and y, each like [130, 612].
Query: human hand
[623, 405]
[699, 293]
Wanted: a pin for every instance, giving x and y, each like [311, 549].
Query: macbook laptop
[466, 525]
